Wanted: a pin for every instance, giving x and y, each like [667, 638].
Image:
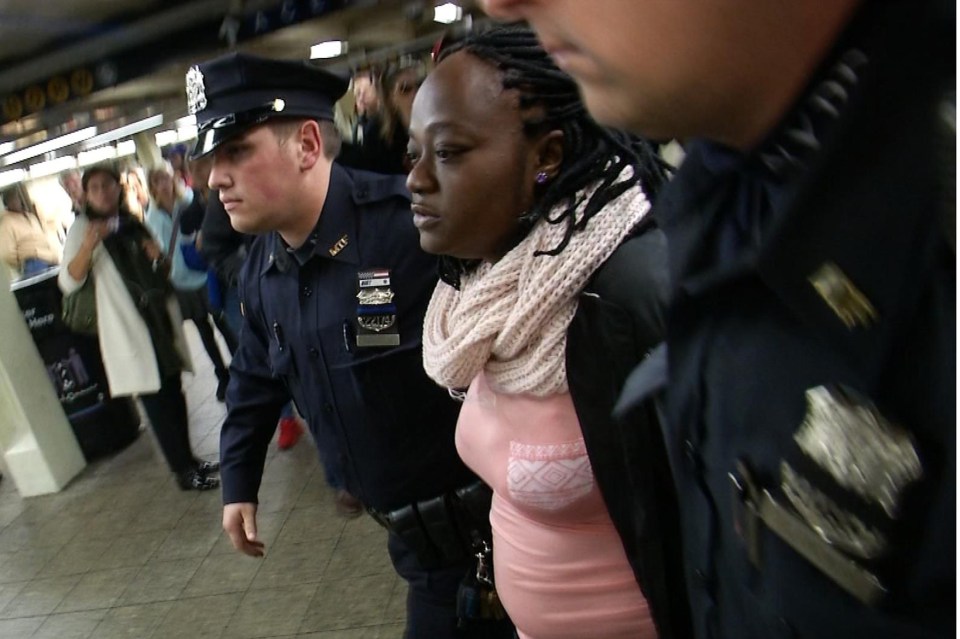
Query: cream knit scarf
[510, 318]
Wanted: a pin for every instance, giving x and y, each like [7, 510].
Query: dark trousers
[194, 307]
[167, 411]
[432, 599]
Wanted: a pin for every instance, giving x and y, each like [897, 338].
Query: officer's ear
[310, 144]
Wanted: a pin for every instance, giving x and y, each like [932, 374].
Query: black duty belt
[443, 530]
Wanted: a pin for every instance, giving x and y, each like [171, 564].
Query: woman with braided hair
[553, 280]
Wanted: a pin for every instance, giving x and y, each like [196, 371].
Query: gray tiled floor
[122, 552]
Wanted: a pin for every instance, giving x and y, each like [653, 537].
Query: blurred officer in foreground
[334, 292]
[810, 363]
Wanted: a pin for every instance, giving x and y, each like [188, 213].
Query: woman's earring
[542, 177]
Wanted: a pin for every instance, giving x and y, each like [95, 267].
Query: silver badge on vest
[376, 312]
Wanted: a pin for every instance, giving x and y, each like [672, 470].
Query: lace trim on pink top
[548, 477]
[544, 452]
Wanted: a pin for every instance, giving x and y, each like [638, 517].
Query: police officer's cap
[234, 92]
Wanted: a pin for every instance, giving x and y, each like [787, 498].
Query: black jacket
[619, 319]
[818, 263]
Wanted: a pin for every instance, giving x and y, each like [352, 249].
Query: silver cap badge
[196, 97]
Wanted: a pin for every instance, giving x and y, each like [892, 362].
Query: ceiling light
[187, 120]
[86, 158]
[128, 147]
[447, 13]
[12, 177]
[50, 167]
[166, 138]
[185, 133]
[50, 145]
[6, 147]
[329, 49]
[125, 131]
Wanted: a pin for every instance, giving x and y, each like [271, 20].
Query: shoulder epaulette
[376, 188]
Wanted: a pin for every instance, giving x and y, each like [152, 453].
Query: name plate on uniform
[376, 312]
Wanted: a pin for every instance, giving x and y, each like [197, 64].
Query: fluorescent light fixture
[124, 131]
[86, 158]
[128, 147]
[166, 138]
[50, 145]
[181, 134]
[187, 120]
[41, 169]
[6, 147]
[12, 177]
[447, 13]
[328, 49]
[185, 133]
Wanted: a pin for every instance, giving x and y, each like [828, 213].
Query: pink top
[559, 565]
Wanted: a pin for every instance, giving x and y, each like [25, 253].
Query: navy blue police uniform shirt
[393, 425]
[811, 356]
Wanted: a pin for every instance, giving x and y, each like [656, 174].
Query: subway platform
[122, 552]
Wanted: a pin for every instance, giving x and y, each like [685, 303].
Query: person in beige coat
[24, 244]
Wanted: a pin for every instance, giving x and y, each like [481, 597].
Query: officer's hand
[240, 524]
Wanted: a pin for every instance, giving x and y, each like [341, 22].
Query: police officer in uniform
[810, 363]
[334, 291]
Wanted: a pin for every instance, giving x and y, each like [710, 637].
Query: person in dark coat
[333, 291]
[810, 363]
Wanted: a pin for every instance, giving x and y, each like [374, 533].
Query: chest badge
[376, 312]
[339, 246]
[846, 301]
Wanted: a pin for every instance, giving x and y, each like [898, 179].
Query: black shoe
[347, 505]
[222, 383]
[193, 480]
[207, 467]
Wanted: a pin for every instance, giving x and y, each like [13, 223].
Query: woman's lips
[423, 217]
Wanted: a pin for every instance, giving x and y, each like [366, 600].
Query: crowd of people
[585, 394]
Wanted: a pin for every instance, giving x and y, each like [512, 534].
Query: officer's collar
[334, 236]
[793, 147]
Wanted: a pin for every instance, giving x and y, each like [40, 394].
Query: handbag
[79, 309]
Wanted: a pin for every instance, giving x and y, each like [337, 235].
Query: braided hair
[549, 100]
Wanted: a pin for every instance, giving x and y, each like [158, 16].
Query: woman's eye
[446, 153]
